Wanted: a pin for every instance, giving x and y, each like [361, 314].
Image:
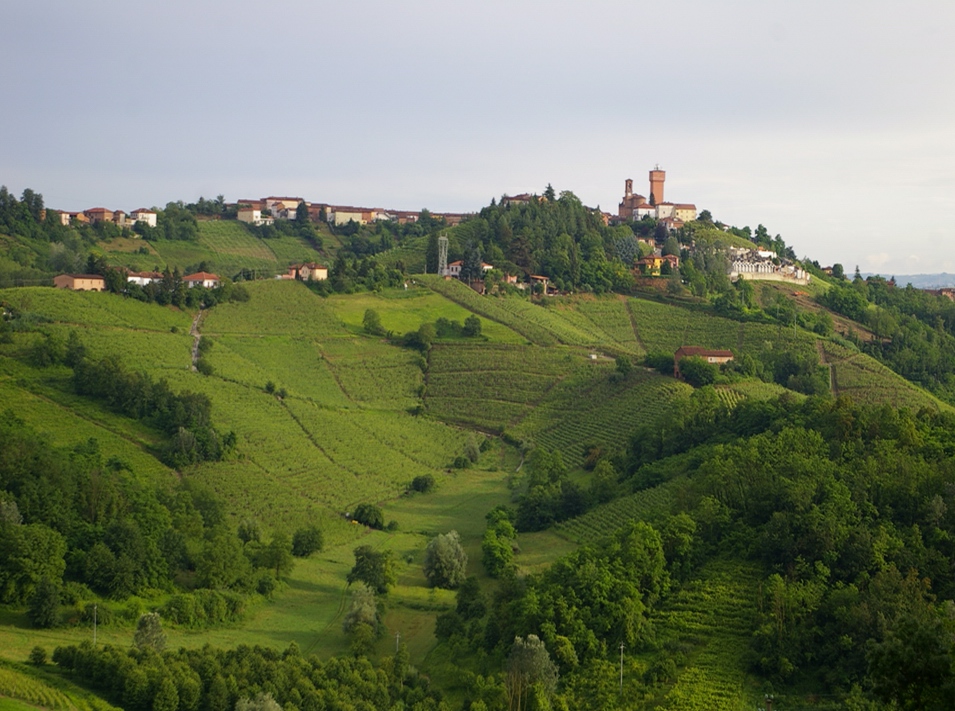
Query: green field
[403, 310]
[226, 246]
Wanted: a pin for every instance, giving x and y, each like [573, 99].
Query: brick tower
[657, 177]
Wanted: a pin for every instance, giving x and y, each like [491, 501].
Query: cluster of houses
[765, 265]
[309, 271]
[264, 211]
[95, 282]
[101, 214]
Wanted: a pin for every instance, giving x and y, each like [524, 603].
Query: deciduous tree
[445, 561]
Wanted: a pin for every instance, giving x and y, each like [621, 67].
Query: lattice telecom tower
[443, 255]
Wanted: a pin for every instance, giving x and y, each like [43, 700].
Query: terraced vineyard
[280, 308]
[713, 618]
[729, 396]
[610, 314]
[16, 683]
[226, 246]
[603, 521]
[405, 310]
[487, 307]
[411, 254]
[866, 380]
[294, 364]
[91, 309]
[570, 331]
[664, 327]
[374, 374]
[594, 407]
[492, 386]
[758, 390]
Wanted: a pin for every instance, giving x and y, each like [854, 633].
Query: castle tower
[657, 177]
[627, 188]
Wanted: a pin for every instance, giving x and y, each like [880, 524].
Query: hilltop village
[655, 257]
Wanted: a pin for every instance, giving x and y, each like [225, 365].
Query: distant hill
[919, 281]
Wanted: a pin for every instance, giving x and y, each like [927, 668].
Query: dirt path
[633, 325]
[833, 388]
[194, 331]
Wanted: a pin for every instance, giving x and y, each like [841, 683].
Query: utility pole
[621, 667]
[397, 641]
[94, 624]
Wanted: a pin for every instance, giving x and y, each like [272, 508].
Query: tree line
[247, 677]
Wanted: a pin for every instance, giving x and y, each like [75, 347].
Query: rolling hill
[351, 418]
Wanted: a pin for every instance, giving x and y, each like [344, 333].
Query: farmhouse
[210, 281]
[98, 214]
[80, 282]
[653, 265]
[716, 356]
[253, 216]
[147, 217]
[143, 278]
[308, 272]
[341, 215]
[454, 268]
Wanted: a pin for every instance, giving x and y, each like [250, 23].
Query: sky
[832, 123]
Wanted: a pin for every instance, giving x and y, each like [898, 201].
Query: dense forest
[915, 329]
[847, 510]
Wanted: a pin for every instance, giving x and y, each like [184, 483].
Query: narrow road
[194, 330]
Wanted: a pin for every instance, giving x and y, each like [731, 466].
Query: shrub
[697, 372]
[423, 483]
[38, 656]
[205, 367]
[369, 515]
[660, 362]
[306, 541]
[371, 323]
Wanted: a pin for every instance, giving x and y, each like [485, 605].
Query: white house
[253, 216]
[143, 278]
[143, 215]
[210, 281]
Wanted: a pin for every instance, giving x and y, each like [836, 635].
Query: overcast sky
[832, 123]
